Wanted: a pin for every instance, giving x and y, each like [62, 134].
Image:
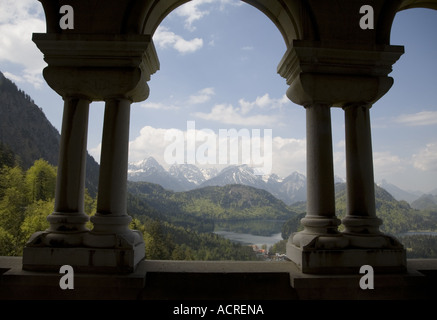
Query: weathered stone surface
[217, 280]
[330, 62]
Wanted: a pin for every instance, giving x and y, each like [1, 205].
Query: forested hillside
[426, 202]
[27, 198]
[175, 225]
[27, 191]
[231, 202]
[25, 130]
[398, 218]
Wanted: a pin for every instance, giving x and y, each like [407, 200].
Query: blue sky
[218, 63]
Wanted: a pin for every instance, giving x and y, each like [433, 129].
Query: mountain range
[291, 189]
[26, 131]
[426, 202]
[400, 194]
[185, 177]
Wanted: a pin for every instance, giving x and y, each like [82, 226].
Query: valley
[185, 212]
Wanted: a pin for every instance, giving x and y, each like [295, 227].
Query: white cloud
[150, 142]
[13, 77]
[235, 3]
[95, 152]
[192, 12]
[385, 163]
[18, 20]
[158, 106]
[264, 102]
[288, 154]
[227, 114]
[426, 159]
[422, 118]
[202, 96]
[165, 38]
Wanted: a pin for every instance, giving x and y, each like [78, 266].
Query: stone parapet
[218, 280]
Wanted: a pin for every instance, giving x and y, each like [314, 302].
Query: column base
[122, 257]
[322, 241]
[347, 260]
[56, 239]
[84, 260]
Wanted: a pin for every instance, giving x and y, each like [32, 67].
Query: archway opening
[404, 119]
[404, 124]
[218, 73]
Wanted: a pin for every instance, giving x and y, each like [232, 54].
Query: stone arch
[389, 11]
[144, 16]
[419, 43]
[330, 62]
[408, 4]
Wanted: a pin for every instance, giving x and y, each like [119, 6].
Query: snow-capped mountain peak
[188, 172]
[185, 177]
[147, 165]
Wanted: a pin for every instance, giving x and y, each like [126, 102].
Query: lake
[251, 232]
[249, 239]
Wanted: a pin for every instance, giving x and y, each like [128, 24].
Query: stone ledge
[210, 280]
[91, 260]
[347, 261]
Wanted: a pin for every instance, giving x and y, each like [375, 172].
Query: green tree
[41, 181]
[13, 200]
[36, 218]
[90, 207]
[279, 247]
[7, 243]
[157, 246]
[90, 204]
[7, 157]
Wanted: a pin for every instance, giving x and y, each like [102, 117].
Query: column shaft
[320, 170]
[361, 213]
[111, 222]
[320, 223]
[69, 215]
[114, 158]
[111, 216]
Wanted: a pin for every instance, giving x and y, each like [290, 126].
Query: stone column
[361, 223]
[113, 159]
[310, 248]
[361, 215]
[351, 78]
[67, 222]
[320, 222]
[69, 215]
[93, 67]
[111, 222]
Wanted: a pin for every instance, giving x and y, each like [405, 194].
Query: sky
[218, 62]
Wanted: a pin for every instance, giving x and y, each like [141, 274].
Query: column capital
[334, 74]
[98, 66]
